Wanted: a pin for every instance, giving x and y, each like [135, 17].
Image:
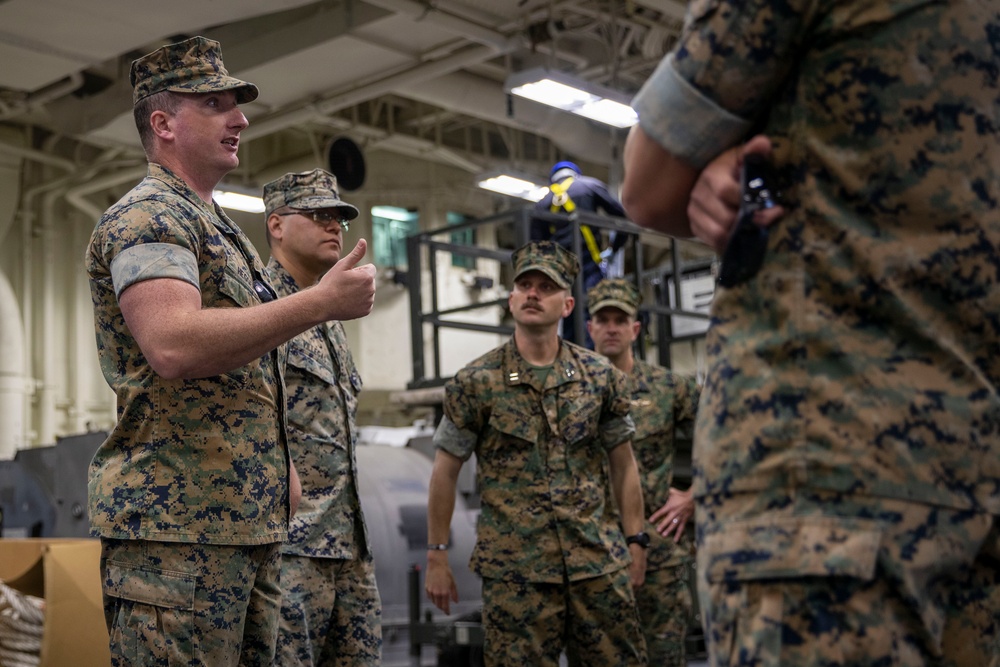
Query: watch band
[437, 547]
[641, 538]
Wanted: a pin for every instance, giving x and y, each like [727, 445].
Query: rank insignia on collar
[570, 372]
[514, 377]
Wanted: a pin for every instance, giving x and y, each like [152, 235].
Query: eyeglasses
[322, 217]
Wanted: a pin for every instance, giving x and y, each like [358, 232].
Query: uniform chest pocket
[238, 286]
[518, 417]
[579, 411]
[649, 419]
[304, 359]
[515, 454]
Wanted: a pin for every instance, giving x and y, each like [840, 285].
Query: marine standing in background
[570, 192]
[190, 493]
[662, 403]
[847, 447]
[548, 422]
[330, 606]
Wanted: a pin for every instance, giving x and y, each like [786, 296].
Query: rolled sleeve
[147, 261]
[616, 430]
[456, 441]
[682, 120]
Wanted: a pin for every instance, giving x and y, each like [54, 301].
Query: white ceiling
[404, 75]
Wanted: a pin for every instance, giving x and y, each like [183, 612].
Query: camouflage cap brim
[245, 92]
[626, 308]
[547, 270]
[313, 203]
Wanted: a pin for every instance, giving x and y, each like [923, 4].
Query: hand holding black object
[744, 253]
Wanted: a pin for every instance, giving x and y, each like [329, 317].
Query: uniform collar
[281, 279]
[174, 182]
[516, 370]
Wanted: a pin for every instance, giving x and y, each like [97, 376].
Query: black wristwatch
[642, 539]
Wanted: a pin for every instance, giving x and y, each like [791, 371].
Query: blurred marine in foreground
[847, 475]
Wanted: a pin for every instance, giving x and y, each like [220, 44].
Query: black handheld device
[747, 245]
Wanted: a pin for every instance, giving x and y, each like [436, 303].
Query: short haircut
[162, 101]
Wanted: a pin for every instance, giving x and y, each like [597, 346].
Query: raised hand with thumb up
[350, 288]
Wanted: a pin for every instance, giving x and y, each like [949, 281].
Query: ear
[636, 328]
[590, 327]
[159, 120]
[275, 226]
[568, 306]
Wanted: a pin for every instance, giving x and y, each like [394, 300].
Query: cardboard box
[66, 573]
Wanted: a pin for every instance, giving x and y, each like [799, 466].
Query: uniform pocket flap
[170, 590]
[300, 357]
[793, 547]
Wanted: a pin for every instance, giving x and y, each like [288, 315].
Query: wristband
[437, 547]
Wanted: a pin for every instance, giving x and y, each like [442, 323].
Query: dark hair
[164, 100]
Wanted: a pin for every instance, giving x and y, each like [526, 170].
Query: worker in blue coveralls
[569, 192]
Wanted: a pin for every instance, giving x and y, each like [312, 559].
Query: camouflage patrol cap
[614, 293]
[307, 190]
[550, 258]
[192, 66]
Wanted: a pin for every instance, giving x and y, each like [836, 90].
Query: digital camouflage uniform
[549, 547]
[189, 493]
[331, 611]
[663, 403]
[847, 450]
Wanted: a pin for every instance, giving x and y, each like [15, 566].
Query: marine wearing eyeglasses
[323, 217]
[330, 607]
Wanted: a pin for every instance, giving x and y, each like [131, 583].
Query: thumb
[350, 260]
[759, 144]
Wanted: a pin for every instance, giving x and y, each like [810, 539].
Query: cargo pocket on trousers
[744, 559]
[155, 619]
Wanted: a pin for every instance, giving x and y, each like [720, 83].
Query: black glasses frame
[322, 217]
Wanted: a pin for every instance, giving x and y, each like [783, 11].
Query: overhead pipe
[454, 24]
[492, 44]
[38, 156]
[49, 384]
[76, 197]
[571, 134]
[351, 96]
[44, 95]
[13, 383]
[27, 216]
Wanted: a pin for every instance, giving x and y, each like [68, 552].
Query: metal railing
[513, 229]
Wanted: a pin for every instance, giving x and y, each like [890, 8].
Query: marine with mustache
[549, 424]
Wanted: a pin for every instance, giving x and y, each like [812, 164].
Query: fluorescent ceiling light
[567, 92]
[393, 213]
[513, 186]
[227, 197]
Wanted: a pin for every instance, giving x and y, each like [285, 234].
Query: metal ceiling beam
[246, 44]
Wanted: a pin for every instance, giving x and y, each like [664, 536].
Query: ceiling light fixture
[512, 185]
[238, 199]
[569, 93]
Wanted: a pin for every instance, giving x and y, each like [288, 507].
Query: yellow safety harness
[562, 202]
